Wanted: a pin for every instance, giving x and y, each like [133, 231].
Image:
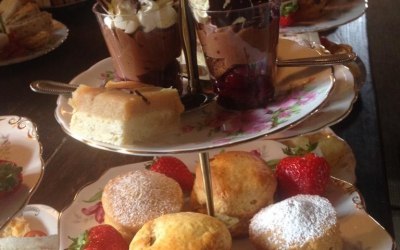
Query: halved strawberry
[175, 169]
[35, 233]
[98, 238]
[10, 177]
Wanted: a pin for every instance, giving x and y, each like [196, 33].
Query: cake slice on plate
[124, 112]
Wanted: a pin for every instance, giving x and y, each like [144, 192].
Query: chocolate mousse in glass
[143, 38]
[239, 40]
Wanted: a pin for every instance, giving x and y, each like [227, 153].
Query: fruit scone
[183, 231]
[124, 112]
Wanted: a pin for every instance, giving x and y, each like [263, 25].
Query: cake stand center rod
[188, 34]
[206, 172]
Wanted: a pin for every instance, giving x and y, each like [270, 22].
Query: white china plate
[19, 143]
[336, 13]
[300, 92]
[358, 229]
[336, 108]
[41, 217]
[58, 37]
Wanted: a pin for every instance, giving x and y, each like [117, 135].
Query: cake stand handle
[206, 172]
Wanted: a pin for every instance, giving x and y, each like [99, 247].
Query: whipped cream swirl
[151, 15]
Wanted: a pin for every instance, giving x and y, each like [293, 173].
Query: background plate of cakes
[300, 16]
[20, 149]
[27, 32]
[149, 210]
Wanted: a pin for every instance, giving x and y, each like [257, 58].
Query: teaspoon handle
[324, 60]
[52, 87]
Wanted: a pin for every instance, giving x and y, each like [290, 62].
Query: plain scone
[131, 199]
[183, 231]
[118, 117]
[302, 222]
[242, 184]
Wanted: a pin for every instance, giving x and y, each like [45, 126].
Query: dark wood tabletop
[70, 164]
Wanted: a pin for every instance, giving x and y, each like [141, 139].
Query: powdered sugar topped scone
[132, 199]
[306, 222]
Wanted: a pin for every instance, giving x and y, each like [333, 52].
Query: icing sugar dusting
[142, 195]
[295, 221]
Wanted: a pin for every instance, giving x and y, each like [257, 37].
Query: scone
[302, 222]
[242, 184]
[116, 116]
[183, 231]
[132, 199]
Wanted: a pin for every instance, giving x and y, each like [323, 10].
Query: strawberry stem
[299, 151]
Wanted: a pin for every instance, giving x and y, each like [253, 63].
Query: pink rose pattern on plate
[252, 121]
[236, 123]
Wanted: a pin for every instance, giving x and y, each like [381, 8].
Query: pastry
[183, 231]
[118, 117]
[242, 184]
[302, 222]
[132, 199]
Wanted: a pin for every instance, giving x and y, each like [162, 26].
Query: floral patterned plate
[335, 13]
[358, 229]
[336, 108]
[19, 143]
[300, 92]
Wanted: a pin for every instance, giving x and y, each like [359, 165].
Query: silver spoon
[323, 60]
[58, 88]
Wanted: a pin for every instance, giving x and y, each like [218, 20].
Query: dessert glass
[240, 47]
[144, 41]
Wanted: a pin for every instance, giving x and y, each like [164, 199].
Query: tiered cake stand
[308, 102]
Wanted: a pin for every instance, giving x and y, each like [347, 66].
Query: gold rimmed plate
[358, 229]
[19, 143]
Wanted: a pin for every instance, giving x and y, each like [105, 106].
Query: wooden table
[70, 164]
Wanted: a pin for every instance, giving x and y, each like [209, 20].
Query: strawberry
[302, 174]
[98, 238]
[10, 178]
[285, 21]
[175, 169]
[287, 12]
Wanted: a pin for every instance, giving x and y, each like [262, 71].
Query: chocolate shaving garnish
[143, 97]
